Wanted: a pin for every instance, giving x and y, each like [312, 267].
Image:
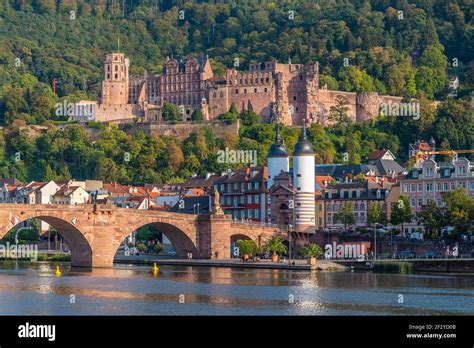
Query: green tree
[459, 209]
[231, 115]
[170, 112]
[338, 112]
[431, 217]
[312, 250]
[249, 117]
[197, 115]
[246, 247]
[401, 212]
[275, 246]
[345, 215]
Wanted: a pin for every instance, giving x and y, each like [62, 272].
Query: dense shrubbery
[409, 56]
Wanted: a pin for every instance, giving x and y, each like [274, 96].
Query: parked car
[172, 253]
[406, 254]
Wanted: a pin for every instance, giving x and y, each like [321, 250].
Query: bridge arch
[180, 240]
[81, 251]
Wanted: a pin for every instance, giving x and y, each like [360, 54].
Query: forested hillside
[405, 48]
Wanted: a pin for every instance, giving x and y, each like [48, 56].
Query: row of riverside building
[306, 197]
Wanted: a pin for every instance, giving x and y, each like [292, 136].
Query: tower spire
[278, 139]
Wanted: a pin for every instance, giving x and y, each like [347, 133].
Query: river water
[33, 289]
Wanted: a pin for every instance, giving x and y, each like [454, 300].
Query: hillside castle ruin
[285, 93]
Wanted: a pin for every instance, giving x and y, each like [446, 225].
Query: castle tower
[304, 183]
[278, 161]
[115, 82]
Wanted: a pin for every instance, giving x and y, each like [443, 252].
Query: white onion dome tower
[304, 183]
[278, 159]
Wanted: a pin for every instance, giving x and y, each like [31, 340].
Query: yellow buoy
[155, 268]
[58, 272]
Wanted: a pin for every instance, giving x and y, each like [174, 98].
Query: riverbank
[323, 265]
[458, 266]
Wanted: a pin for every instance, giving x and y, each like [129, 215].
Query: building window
[462, 170]
[446, 186]
[294, 98]
[412, 202]
[413, 187]
[255, 90]
[420, 202]
[438, 186]
[236, 91]
[429, 187]
[429, 171]
[257, 199]
[405, 187]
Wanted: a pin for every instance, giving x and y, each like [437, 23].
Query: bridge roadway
[94, 232]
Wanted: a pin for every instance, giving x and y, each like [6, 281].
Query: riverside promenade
[323, 265]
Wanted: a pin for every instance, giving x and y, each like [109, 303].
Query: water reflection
[32, 288]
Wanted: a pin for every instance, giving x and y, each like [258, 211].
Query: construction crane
[453, 153]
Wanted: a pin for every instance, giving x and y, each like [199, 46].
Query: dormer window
[462, 170]
[447, 172]
[429, 171]
[415, 174]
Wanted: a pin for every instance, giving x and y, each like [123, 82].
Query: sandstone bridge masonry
[94, 232]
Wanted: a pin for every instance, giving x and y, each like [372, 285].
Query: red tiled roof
[377, 154]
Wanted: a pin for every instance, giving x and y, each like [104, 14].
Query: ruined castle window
[256, 80]
[245, 90]
[240, 81]
[265, 90]
[267, 80]
[116, 68]
[108, 76]
[301, 77]
[261, 80]
[214, 95]
[294, 97]
[221, 94]
[236, 91]
[116, 76]
[108, 67]
[255, 90]
[297, 109]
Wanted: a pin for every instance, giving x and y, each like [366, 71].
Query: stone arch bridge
[94, 232]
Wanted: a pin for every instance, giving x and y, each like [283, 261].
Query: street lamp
[198, 208]
[290, 228]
